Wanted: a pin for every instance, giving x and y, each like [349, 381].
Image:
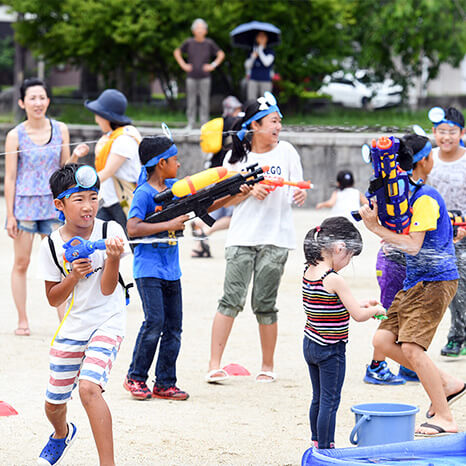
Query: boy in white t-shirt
[448, 176]
[90, 335]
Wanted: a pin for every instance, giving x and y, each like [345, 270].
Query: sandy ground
[240, 422]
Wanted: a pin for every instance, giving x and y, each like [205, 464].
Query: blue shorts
[42, 227]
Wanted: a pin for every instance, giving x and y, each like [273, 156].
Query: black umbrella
[245, 34]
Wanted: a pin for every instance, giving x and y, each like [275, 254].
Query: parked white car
[361, 90]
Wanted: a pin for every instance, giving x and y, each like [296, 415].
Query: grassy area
[396, 117]
[341, 117]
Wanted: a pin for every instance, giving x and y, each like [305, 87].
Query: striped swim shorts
[73, 360]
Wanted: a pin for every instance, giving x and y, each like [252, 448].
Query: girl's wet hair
[323, 237]
[240, 149]
[64, 178]
[30, 82]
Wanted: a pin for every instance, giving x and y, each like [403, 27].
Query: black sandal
[203, 252]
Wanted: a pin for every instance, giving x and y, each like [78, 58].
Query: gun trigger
[158, 208]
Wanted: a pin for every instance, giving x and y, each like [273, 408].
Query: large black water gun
[198, 192]
[389, 184]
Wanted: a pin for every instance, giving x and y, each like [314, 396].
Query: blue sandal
[56, 448]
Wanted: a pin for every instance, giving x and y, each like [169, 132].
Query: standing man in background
[200, 50]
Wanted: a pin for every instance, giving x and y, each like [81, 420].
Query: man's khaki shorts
[416, 313]
[265, 265]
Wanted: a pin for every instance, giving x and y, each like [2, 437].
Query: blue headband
[67, 193]
[423, 153]
[448, 122]
[170, 152]
[257, 116]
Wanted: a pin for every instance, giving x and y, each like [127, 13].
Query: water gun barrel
[192, 184]
[82, 248]
[278, 181]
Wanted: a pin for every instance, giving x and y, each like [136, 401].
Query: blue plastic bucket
[381, 423]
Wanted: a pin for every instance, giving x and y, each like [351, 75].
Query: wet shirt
[449, 179]
[327, 318]
[436, 259]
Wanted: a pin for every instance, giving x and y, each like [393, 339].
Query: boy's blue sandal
[56, 448]
[382, 375]
[408, 374]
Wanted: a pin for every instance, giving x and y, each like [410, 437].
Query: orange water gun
[274, 182]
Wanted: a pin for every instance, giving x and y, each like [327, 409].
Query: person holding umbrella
[257, 37]
[200, 50]
[259, 68]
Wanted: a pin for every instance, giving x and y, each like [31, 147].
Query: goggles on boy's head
[268, 104]
[437, 116]
[86, 178]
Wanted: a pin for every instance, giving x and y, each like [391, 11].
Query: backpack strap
[120, 278]
[54, 255]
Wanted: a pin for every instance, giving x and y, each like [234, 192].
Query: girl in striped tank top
[328, 304]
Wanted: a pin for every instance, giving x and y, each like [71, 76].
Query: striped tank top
[327, 318]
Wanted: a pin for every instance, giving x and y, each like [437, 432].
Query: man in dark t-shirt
[200, 50]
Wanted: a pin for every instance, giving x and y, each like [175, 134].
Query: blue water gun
[81, 249]
[389, 184]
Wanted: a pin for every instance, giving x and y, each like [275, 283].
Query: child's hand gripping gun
[274, 182]
[198, 192]
[389, 184]
[81, 249]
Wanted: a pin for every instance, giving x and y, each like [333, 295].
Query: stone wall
[322, 154]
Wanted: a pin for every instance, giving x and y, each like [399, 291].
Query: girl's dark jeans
[327, 366]
[161, 302]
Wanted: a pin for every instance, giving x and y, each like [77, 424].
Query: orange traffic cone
[6, 409]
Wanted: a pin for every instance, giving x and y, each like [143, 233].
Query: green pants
[265, 265]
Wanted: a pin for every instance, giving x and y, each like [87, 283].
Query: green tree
[121, 39]
[396, 37]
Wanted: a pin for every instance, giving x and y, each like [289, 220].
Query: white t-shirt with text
[269, 221]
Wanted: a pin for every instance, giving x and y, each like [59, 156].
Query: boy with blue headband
[391, 271]
[157, 274]
[449, 177]
[93, 328]
[430, 284]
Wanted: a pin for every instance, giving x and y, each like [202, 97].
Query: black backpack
[104, 236]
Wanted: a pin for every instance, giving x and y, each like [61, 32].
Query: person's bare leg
[56, 414]
[434, 381]
[431, 380]
[221, 329]
[100, 419]
[268, 336]
[22, 246]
